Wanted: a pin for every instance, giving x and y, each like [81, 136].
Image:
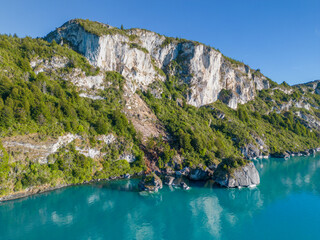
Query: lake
[286, 205]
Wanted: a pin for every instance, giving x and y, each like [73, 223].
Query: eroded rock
[245, 176]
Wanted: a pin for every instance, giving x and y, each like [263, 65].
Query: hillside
[90, 101]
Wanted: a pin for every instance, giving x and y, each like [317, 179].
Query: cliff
[144, 57]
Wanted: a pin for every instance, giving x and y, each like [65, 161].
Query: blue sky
[281, 37]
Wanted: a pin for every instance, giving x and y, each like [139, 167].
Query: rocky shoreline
[244, 176]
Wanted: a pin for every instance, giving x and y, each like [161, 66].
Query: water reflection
[115, 210]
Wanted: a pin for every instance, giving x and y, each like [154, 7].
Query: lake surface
[286, 205]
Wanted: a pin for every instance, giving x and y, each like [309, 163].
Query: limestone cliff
[143, 57]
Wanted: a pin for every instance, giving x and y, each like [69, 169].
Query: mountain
[143, 57]
[90, 101]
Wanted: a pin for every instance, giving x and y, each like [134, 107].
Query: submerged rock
[150, 183]
[245, 176]
[184, 186]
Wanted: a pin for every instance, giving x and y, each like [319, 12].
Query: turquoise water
[286, 205]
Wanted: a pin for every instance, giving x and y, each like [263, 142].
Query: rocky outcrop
[150, 183]
[309, 120]
[245, 176]
[141, 57]
[257, 149]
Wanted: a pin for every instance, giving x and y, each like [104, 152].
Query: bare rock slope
[143, 57]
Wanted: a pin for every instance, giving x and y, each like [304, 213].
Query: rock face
[255, 150]
[310, 121]
[141, 56]
[245, 176]
[150, 183]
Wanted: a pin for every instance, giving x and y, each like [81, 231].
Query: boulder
[245, 176]
[184, 186]
[150, 183]
[168, 180]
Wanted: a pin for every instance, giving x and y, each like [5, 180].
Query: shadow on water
[126, 185]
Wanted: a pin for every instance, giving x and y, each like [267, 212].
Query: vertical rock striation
[142, 56]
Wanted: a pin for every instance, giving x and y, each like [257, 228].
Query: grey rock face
[245, 176]
[205, 69]
[250, 151]
[309, 120]
[257, 149]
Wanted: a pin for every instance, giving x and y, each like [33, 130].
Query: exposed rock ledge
[245, 176]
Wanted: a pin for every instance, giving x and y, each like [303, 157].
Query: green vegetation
[202, 136]
[46, 104]
[233, 61]
[137, 46]
[169, 40]
[159, 70]
[99, 29]
[16, 54]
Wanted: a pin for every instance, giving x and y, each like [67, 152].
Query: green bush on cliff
[99, 29]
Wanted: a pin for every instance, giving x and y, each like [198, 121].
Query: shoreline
[43, 189]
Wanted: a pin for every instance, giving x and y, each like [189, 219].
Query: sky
[280, 37]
